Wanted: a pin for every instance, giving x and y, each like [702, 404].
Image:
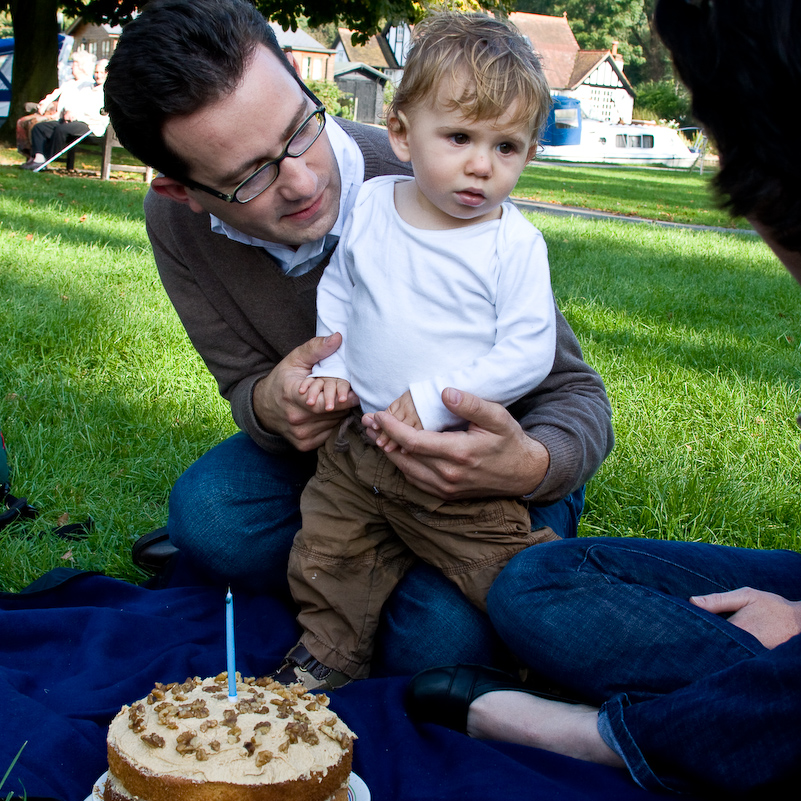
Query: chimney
[616, 56]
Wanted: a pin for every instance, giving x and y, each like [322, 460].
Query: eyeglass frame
[232, 198]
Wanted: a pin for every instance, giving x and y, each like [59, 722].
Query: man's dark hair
[741, 60]
[175, 58]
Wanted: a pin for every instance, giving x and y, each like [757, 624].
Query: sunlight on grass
[668, 195]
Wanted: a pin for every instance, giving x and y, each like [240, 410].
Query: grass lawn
[104, 402]
[669, 195]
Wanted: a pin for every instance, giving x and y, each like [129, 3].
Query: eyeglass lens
[300, 142]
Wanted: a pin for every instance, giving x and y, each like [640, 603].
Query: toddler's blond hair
[487, 59]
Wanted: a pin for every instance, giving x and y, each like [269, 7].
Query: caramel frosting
[270, 734]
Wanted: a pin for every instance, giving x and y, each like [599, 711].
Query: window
[566, 117]
[634, 140]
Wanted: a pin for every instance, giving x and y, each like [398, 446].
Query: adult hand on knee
[281, 408]
[493, 457]
[768, 617]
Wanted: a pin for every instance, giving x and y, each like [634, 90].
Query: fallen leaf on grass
[64, 519]
[67, 555]
[29, 237]
[83, 218]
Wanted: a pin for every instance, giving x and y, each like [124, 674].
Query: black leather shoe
[153, 551]
[443, 695]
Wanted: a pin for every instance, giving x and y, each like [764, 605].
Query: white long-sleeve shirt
[470, 308]
[84, 102]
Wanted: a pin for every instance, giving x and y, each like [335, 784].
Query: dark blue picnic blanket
[74, 653]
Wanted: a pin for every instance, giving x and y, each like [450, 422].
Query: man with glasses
[255, 185]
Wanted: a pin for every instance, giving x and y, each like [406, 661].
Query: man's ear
[397, 127]
[175, 190]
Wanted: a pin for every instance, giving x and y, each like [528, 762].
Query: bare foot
[514, 717]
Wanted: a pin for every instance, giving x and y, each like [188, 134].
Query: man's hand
[493, 457]
[768, 617]
[281, 408]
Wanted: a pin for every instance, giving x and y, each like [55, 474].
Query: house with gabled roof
[377, 52]
[363, 70]
[315, 62]
[594, 77]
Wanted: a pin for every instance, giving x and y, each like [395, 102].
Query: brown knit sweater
[243, 315]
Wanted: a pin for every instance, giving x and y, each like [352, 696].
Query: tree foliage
[665, 100]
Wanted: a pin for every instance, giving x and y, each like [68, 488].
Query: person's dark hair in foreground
[686, 656]
[741, 61]
[174, 59]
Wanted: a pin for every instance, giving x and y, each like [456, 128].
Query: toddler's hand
[404, 411]
[325, 393]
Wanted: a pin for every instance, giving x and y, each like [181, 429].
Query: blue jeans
[688, 700]
[235, 512]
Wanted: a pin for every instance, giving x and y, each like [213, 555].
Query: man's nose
[296, 180]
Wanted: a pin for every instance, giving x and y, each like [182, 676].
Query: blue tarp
[73, 654]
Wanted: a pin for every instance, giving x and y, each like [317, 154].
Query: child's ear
[398, 126]
[532, 152]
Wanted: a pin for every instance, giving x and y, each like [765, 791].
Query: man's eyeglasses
[300, 141]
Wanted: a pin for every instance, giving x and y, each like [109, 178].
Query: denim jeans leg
[605, 615]
[562, 517]
[235, 512]
[689, 700]
[734, 731]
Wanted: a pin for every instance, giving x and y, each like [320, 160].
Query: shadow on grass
[700, 302]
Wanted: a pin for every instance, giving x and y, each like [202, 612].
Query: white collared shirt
[295, 262]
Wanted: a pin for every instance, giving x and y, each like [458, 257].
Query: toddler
[438, 281]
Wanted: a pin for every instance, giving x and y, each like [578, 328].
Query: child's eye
[460, 138]
[507, 149]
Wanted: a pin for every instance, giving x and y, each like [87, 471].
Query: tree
[364, 17]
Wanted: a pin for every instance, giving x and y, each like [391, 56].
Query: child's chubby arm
[327, 393]
[403, 410]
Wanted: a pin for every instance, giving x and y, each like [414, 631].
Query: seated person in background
[83, 63]
[80, 111]
[688, 653]
[438, 281]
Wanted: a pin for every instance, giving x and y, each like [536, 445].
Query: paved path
[592, 214]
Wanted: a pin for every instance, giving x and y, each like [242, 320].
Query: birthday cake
[188, 742]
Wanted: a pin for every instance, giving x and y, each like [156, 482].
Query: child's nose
[480, 163]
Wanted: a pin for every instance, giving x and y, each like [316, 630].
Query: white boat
[569, 137]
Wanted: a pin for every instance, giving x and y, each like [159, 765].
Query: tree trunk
[35, 58]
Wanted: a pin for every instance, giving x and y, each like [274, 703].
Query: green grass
[669, 195]
[104, 402]
[697, 336]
